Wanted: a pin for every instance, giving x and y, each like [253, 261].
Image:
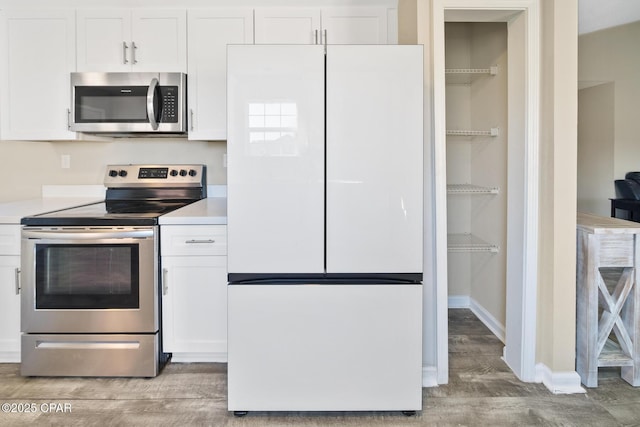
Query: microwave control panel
[169, 96]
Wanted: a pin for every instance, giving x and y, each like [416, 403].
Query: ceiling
[594, 15]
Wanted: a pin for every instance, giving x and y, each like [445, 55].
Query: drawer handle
[200, 241]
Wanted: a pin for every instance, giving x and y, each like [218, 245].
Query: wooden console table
[608, 297]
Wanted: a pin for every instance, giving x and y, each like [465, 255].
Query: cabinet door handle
[68, 118]
[133, 53]
[200, 241]
[315, 37]
[325, 37]
[165, 287]
[124, 53]
[191, 118]
[18, 287]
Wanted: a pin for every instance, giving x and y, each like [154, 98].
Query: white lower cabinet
[9, 293]
[194, 288]
[9, 309]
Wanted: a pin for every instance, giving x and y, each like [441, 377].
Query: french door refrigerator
[325, 172]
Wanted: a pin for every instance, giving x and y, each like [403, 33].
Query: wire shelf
[490, 132]
[467, 242]
[471, 189]
[491, 70]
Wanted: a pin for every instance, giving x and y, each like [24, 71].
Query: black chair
[627, 197]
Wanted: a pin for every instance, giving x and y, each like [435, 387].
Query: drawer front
[177, 240]
[9, 240]
[616, 250]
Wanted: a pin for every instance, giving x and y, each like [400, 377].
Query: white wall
[27, 165]
[558, 194]
[609, 143]
[596, 142]
[489, 168]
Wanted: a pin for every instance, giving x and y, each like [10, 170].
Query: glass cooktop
[107, 213]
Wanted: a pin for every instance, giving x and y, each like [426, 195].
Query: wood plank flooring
[482, 391]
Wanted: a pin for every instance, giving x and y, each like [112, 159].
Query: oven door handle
[83, 235]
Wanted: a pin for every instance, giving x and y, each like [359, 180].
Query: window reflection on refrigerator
[273, 129]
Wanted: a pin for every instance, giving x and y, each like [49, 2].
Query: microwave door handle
[151, 113]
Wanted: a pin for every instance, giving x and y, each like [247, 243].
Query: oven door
[89, 280]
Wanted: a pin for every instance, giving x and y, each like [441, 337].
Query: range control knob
[192, 172]
[183, 172]
[122, 173]
[113, 173]
[173, 172]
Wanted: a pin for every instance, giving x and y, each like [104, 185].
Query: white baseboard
[489, 321]
[465, 301]
[459, 301]
[429, 376]
[566, 382]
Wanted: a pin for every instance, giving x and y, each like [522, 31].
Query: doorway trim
[522, 18]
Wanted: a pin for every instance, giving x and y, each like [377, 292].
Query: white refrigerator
[325, 240]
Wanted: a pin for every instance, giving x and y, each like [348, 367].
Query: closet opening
[486, 173]
[476, 84]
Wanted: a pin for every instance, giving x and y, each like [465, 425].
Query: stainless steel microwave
[128, 103]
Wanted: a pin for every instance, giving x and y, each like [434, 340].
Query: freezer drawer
[325, 347]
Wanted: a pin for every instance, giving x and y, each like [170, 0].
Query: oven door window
[100, 276]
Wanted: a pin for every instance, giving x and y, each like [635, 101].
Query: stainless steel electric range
[90, 276]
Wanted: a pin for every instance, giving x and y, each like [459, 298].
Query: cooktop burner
[136, 195]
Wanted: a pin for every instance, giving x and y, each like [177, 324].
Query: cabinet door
[9, 310]
[354, 25]
[194, 307]
[113, 40]
[37, 51]
[210, 31]
[104, 40]
[9, 239]
[287, 25]
[159, 40]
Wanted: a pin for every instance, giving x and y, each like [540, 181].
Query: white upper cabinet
[330, 25]
[210, 31]
[354, 25]
[287, 25]
[132, 40]
[37, 51]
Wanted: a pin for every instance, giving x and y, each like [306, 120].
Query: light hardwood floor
[482, 392]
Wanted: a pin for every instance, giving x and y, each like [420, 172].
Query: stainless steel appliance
[90, 276]
[129, 103]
